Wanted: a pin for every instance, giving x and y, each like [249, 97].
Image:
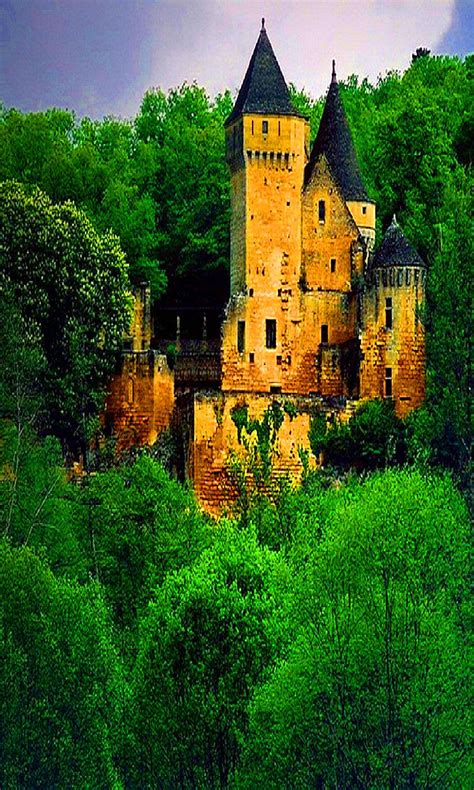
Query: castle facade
[316, 317]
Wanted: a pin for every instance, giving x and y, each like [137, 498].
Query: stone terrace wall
[213, 437]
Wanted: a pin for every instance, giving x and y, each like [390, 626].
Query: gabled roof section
[395, 249]
[334, 139]
[264, 89]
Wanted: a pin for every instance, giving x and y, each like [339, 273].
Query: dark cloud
[459, 38]
[98, 57]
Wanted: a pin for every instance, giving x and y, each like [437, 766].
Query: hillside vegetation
[316, 637]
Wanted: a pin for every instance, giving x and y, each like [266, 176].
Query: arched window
[131, 391]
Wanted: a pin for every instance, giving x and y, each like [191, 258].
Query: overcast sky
[98, 57]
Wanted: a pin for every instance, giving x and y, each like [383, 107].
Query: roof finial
[263, 24]
[394, 220]
[333, 77]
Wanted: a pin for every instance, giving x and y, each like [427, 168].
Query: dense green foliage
[373, 437]
[64, 294]
[196, 656]
[161, 184]
[320, 636]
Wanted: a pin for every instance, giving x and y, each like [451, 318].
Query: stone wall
[213, 438]
[401, 348]
[140, 399]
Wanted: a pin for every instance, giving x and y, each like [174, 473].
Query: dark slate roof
[395, 249]
[334, 139]
[264, 89]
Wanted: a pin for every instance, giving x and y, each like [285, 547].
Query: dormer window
[322, 211]
[264, 127]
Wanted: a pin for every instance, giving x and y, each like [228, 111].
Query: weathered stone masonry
[314, 315]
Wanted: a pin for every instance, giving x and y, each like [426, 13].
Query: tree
[135, 526]
[205, 643]
[70, 285]
[372, 437]
[374, 692]
[191, 184]
[60, 680]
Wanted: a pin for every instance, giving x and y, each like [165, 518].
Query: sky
[98, 57]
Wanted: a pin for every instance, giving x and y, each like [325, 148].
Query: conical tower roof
[334, 139]
[264, 89]
[395, 249]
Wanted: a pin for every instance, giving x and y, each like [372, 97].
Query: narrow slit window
[364, 209]
[241, 337]
[270, 333]
[131, 391]
[324, 333]
[388, 312]
[252, 127]
[322, 211]
[264, 127]
[279, 128]
[388, 383]
[333, 265]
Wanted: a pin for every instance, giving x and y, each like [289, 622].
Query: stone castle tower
[315, 316]
[302, 236]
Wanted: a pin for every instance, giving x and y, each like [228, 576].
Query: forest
[316, 636]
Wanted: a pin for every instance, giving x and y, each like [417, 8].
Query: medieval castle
[316, 317]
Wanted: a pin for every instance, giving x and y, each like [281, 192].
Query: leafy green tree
[449, 330]
[205, 643]
[136, 525]
[71, 288]
[191, 188]
[374, 692]
[372, 437]
[61, 686]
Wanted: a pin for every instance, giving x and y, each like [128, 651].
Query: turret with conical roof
[334, 141]
[266, 145]
[396, 250]
[264, 90]
[266, 141]
[392, 338]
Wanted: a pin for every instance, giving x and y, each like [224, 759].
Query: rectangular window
[388, 383]
[322, 211]
[278, 359]
[271, 332]
[264, 127]
[251, 357]
[241, 337]
[364, 209]
[388, 313]
[333, 265]
[324, 333]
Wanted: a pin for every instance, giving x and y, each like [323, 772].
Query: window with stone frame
[241, 337]
[388, 313]
[388, 383]
[270, 333]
